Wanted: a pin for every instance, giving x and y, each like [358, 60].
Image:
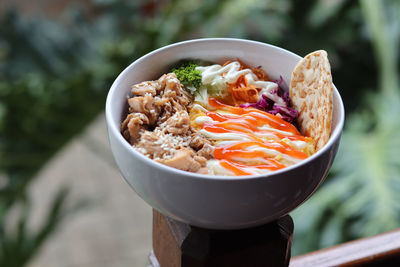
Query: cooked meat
[143, 88]
[201, 160]
[198, 141]
[148, 105]
[132, 126]
[174, 89]
[185, 160]
[170, 83]
[150, 146]
[178, 123]
[160, 145]
[202, 145]
[206, 151]
[158, 125]
[140, 103]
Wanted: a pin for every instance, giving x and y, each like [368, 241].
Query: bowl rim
[114, 130]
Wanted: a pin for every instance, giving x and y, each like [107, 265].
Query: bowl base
[179, 244]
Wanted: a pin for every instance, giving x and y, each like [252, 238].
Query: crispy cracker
[311, 92]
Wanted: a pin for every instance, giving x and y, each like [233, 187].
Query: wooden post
[176, 244]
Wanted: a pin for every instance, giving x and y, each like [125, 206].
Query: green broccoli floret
[188, 75]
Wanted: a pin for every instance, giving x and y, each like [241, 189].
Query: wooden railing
[177, 244]
[380, 250]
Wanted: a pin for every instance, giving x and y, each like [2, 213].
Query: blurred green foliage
[52, 83]
[54, 78]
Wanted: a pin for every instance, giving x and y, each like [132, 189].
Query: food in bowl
[231, 118]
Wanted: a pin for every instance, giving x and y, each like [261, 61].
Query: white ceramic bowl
[207, 201]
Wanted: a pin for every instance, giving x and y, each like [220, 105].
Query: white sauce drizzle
[213, 75]
[225, 136]
[230, 73]
[200, 120]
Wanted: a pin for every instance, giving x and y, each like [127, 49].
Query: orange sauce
[260, 116]
[253, 151]
[241, 169]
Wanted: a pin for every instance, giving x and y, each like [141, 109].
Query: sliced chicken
[148, 87]
[185, 160]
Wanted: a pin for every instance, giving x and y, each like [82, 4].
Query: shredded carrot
[242, 92]
[242, 95]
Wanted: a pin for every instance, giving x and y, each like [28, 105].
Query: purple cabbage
[266, 104]
[288, 114]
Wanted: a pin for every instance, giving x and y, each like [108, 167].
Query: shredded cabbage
[266, 104]
[201, 96]
[218, 88]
